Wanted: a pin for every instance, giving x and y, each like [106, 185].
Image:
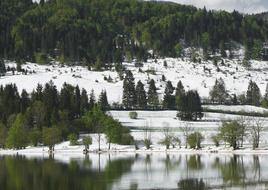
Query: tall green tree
[129, 94]
[141, 96]
[152, 96]
[253, 94]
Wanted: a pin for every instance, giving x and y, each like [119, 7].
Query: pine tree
[77, 101]
[169, 99]
[2, 67]
[84, 106]
[179, 93]
[253, 94]
[92, 99]
[103, 101]
[37, 95]
[129, 94]
[24, 101]
[141, 96]
[218, 92]
[190, 107]
[152, 95]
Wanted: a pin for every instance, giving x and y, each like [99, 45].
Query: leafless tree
[256, 128]
[147, 136]
[243, 122]
[186, 129]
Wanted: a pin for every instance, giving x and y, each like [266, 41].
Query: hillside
[198, 76]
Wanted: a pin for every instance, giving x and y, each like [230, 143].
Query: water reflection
[119, 171]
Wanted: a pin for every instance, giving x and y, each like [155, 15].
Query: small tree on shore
[167, 140]
[256, 129]
[186, 129]
[51, 136]
[194, 140]
[86, 142]
[231, 132]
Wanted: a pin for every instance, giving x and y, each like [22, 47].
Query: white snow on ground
[236, 108]
[193, 75]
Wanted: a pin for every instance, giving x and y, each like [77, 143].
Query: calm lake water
[130, 171]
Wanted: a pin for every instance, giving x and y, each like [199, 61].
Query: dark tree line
[95, 32]
[188, 103]
[48, 116]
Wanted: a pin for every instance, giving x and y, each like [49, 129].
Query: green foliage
[153, 100]
[51, 136]
[73, 139]
[35, 136]
[41, 58]
[17, 134]
[253, 94]
[189, 107]
[218, 93]
[86, 142]
[194, 140]
[231, 133]
[3, 135]
[216, 140]
[167, 141]
[147, 143]
[133, 115]
[129, 93]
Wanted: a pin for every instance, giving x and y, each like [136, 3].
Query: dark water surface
[130, 171]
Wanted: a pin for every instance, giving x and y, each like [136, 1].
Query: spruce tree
[129, 94]
[92, 99]
[169, 99]
[190, 108]
[141, 96]
[2, 67]
[253, 94]
[218, 92]
[24, 101]
[84, 106]
[179, 93]
[103, 101]
[152, 95]
[77, 101]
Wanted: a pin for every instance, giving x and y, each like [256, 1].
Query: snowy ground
[193, 75]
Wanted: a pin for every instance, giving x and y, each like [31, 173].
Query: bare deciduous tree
[256, 128]
[186, 129]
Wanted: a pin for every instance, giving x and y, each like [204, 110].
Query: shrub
[147, 143]
[216, 140]
[41, 58]
[133, 115]
[86, 142]
[194, 140]
[73, 139]
[166, 141]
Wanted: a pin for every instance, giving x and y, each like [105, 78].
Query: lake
[134, 171]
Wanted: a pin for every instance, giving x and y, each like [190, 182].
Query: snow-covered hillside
[193, 75]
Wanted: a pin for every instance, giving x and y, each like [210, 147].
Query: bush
[216, 140]
[86, 142]
[147, 143]
[41, 58]
[166, 141]
[194, 140]
[133, 115]
[73, 139]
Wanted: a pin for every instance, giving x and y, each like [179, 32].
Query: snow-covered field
[193, 75]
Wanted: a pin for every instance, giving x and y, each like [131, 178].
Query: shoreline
[79, 152]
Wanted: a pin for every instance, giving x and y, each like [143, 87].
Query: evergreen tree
[2, 67]
[169, 99]
[129, 94]
[92, 99]
[77, 102]
[218, 93]
[141, 96]
[103, 101]
[179, 93]
[37, 95]
[24, 101]
[253, 94]
[152, 96]
[190, 107]
[84, 106]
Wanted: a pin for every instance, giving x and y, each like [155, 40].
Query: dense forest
[99, 32]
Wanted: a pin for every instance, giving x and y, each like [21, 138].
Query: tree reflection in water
[19, 173]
